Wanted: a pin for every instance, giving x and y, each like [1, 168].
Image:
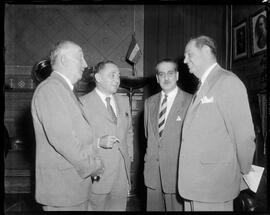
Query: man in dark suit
[110, 114]
[65, 146]
[164, 114]
[217, 144]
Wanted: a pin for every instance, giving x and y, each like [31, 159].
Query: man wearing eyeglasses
[164, 113]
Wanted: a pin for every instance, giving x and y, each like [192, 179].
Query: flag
[134, 52]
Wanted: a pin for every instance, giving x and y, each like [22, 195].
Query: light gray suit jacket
[217, 140]
[163, 152]
[65, 145]
[97, 113]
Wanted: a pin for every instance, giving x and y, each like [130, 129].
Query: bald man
[66, 155]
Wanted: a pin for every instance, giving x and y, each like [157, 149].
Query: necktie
[161, 118]
[110, 110]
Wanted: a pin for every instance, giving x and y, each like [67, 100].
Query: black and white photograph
[122, 107]
[259, 31]
[240, 40]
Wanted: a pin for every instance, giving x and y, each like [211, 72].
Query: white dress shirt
[205, 75]
[170, 99]
[103, 98]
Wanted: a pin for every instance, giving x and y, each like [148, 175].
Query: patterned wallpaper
[103, 31]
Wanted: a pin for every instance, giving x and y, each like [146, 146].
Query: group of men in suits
[197, 145]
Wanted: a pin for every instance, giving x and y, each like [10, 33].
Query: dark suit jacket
[97, 113]
[217, 140]
[163, 152]
[64, 145]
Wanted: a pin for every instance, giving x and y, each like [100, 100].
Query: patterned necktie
[161, 118]
[110, 110]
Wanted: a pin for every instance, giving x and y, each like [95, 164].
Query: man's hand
[99, 170]
[108, 141]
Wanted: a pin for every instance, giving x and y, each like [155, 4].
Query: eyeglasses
[168, 74]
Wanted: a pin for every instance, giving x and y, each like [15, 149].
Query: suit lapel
[207, 86]
[101, 108]
[154, 106]
[118, 109]
[176, 107]
[76, 100]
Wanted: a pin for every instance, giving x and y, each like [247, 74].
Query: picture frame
[258, 23]
[240, 45]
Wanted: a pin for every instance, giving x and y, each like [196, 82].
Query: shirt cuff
[98, 141]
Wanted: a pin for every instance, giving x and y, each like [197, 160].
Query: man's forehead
[166, 66]
[189, 46]
[110, 67]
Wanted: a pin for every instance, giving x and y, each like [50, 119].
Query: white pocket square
[207, 100]
[178, 118]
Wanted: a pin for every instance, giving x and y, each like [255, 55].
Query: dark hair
[101, 65]
[257, 23]
[203, 40]
[167, 60]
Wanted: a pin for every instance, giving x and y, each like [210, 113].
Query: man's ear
[157, 78]
[97, 77]
[63, 59]
[177, 75]
[206, 50]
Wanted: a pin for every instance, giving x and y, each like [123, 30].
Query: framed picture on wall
[258, 31]
[240, 40]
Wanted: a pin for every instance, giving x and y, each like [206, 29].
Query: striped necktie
[110, 110]
[161, 118]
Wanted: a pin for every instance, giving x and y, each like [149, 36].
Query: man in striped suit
[164, 113]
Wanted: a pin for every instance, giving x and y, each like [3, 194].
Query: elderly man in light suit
[110, 114]
[66, 153]
[163, 130]
[218, 135]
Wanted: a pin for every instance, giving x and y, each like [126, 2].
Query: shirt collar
[170, 94]
[207, 72]
[102, 95]
[66, 79]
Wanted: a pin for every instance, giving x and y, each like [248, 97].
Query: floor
[26, 202]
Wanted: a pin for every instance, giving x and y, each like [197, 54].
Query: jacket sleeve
[52, 112]
[146, 125]
[146, 118]
[234, 105]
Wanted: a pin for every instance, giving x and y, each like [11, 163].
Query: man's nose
[84, 64]
[185, 60]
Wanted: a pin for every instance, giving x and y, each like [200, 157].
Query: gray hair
[203, 40]
[60, 48]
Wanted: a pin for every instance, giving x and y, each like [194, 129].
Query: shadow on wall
[27, 135]
[142, 142]
[187, 81]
